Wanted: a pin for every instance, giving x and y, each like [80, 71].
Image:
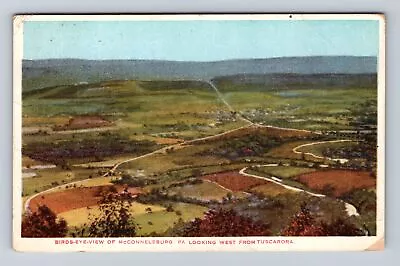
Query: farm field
[337, 182]
[205, 191]
[163, 220]
[270, 189]
[74, 198]
[285, 172]
[234, 181]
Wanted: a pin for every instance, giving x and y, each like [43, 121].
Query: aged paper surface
[199, 132]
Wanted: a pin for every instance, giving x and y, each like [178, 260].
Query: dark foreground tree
[224, 223]
[304, 224]
[43, 223]
[115, 218]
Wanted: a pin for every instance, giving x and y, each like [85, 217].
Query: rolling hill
[53, 72]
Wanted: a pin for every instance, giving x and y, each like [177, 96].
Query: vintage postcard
[199, 132]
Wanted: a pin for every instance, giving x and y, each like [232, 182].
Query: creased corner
[378, 245]
[18, 20]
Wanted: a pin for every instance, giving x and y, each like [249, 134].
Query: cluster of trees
[363, 150]
[304, 224]
[158, 195]
[249, 145]
[94, 148]
[43, 223]
[364, 114]
[222, 223]
[133, 181]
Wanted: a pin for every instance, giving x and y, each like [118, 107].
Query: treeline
[115, 220]
[90, 149]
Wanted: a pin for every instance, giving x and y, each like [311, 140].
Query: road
[296, 149]
[231, 109]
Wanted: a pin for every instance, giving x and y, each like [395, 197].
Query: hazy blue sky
[198, 40]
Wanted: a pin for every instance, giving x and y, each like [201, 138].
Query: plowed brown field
[235, 181]
[73, 198]
[341, 181]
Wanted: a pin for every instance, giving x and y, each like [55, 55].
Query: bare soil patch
[74, 198]
[337, 182]
[83, 122]
[235, 181]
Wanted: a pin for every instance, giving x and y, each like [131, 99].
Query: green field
[204, 191]
[284, 172]
[48, 178]
[162, 220]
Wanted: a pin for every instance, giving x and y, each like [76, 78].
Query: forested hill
[52, 72]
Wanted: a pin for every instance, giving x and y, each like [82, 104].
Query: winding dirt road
[342, 160]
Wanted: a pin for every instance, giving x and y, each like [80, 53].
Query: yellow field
[203, 191]
[271, 189]
[26, 162]
[39, 120]
[98, 181]
[80, 216]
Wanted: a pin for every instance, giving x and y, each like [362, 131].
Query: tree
[196, 172]
[43, 223]
[303, 224]
[218, 223]
[229, 195]
[115, 218]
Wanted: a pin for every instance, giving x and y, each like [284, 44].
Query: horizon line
[197, 61]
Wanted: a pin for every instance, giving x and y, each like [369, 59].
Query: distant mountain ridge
[52, 72]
